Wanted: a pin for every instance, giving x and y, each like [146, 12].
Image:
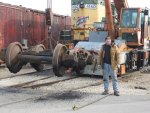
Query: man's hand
[118, 66]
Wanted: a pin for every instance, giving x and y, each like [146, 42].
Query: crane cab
[134, 27]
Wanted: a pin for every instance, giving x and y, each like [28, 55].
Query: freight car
[28, 26]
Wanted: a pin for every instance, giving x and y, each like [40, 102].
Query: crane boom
[109, 19]
[120, 4]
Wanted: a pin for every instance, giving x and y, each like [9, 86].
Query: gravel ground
[135, 84]
[4, 72]
[64, 95]
[72, 84]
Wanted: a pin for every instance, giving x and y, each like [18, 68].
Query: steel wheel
[13, 64]
[59, 51]
[37, 49]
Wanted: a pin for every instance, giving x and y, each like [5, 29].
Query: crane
[119, 4]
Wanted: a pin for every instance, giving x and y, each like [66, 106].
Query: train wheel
[79, 72]
[37, 49]
[59, 51]
[13, 64]
[37, 67]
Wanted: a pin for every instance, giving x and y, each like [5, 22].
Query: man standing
[108, 58]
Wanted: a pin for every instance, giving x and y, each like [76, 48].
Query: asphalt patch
[10, 90]
[15, 91]
[70, 95]
[140, 87]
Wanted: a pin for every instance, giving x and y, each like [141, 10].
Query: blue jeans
[108, 71]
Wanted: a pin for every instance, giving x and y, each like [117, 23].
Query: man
[108, 59]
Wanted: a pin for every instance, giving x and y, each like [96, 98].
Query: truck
[134, 28]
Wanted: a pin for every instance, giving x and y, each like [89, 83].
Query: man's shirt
[107, 56]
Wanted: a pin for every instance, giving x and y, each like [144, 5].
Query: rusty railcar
[60, 23]
[18, 23]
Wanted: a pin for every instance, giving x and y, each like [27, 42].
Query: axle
[35, 59]
[17, 57]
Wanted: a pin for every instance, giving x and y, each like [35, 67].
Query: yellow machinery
[84, 14]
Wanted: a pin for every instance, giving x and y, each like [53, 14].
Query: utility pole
[49, 4]
[49, 22]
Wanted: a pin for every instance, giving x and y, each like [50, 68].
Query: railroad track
[38, 85]
[34, 76]
[27, 84]
[24, 74]
[50, 95]
[58, 92]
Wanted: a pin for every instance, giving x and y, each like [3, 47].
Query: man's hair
[107, 38]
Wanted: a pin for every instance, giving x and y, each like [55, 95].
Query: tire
[59, 72]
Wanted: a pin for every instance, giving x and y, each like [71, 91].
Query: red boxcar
[59, 23]
[18, 23]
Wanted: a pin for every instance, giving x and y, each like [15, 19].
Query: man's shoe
[105, 92]
[116, 93]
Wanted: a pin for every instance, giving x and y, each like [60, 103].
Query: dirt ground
[135, 83]
[62, 96]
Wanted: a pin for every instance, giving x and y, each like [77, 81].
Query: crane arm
[120, 4]
[109, 19]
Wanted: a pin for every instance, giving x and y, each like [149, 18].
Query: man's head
[108, 40]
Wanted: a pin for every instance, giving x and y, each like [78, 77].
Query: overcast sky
[63, 6]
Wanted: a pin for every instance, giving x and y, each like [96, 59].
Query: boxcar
[18, 23]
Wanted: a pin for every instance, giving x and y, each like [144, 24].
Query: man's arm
[100, 52]
[99, 60]
[117, 53]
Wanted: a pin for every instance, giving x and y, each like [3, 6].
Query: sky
[63, 7]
